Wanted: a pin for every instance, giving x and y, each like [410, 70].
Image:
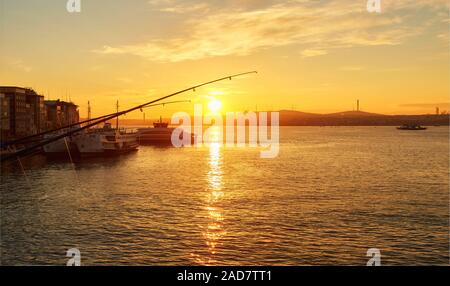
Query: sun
[214, 105]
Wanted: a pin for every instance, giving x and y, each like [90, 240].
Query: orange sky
[313, 56]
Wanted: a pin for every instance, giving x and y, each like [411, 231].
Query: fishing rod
[118, 114]
[69, 133]
[28, 138]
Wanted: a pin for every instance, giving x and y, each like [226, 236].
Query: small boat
[411, 127]
[159, 134]
[106, 141]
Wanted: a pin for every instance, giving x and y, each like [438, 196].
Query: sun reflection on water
[214, 231]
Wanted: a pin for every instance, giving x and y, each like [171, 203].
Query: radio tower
[357, 105]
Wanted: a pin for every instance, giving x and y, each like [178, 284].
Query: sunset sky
[313, 56]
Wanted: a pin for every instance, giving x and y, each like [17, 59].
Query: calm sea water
[332, 193]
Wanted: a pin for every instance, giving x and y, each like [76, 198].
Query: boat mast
[117, 118]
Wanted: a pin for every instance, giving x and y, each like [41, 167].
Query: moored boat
[411, 127]
[106, 141]
[159, 134]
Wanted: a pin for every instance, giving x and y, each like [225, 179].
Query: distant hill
[357, 118]
[294, 113]
[352, 114]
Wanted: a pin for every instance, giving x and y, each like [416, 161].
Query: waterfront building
[23, 112]
[36, 109]
[19, 110]
[4, 117]
[60, 113]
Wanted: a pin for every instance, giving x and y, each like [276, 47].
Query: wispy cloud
[180, 8]
[316, 27]
[444, 37]
[312, 53]
[20, 65]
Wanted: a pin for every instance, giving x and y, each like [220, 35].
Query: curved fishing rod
[28, 138]
[69, 133]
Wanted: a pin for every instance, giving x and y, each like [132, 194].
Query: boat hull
[412, 129]
[158, 136]
[107, 144]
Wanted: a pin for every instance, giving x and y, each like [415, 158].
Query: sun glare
[214, 105]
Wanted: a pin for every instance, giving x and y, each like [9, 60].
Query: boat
[59, 147]
[411, 127]
[159, 134]
[106, 141]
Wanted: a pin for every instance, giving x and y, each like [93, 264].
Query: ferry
[159, 134]
[411, 127]
[107, 141]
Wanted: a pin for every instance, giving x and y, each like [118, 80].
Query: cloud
[444, 37]
[182, 8]
[312, 53]
[315, 26]
[20, 65]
